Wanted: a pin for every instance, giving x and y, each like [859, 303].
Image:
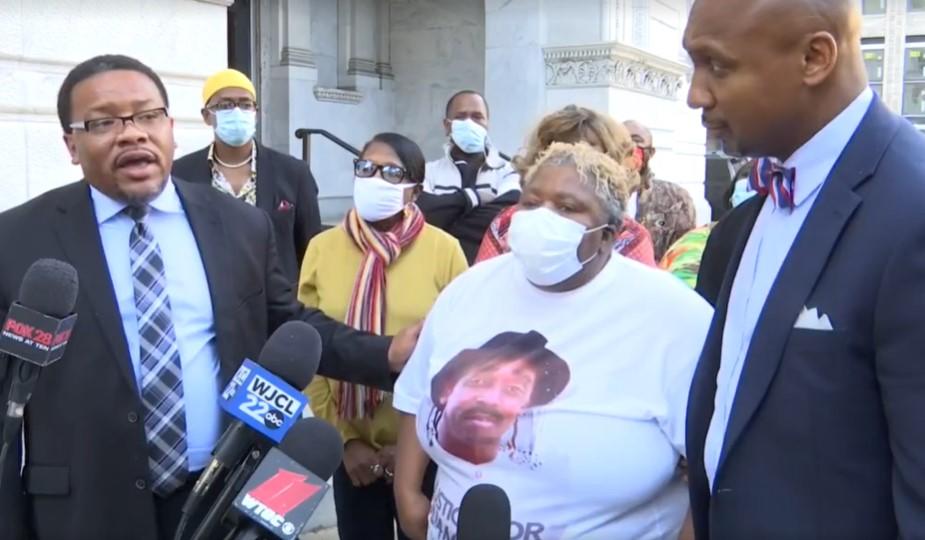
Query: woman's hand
[361, 463]
[387, 460]
[413, 509]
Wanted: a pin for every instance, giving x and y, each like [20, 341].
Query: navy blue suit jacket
[826, 439]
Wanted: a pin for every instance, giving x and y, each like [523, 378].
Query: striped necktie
[161, 372]
[769, 177]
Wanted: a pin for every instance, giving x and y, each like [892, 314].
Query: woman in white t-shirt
[558, 372]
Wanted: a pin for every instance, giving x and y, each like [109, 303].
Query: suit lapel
[266, 189]
[703, 389]
[77, 230]
[206, 222]
[804, 264]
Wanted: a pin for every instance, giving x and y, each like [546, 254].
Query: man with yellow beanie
[236, 164]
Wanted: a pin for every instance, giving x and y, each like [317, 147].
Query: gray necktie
[161, 372]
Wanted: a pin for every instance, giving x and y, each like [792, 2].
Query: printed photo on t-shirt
[484, 399]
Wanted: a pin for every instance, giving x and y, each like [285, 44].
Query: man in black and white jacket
[466, 188]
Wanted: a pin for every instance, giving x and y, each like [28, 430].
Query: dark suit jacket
[719, 249]
[286, 191]
[826, 437]
[85, 444]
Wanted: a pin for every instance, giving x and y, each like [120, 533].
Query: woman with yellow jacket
[380, 271]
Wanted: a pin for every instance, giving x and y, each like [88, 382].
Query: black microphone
[285, 490]
[35, 334]
[292, 355]
[484, 514]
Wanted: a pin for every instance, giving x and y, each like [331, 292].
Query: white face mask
[375, 199]
[546, 244]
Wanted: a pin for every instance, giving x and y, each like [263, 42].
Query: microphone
[285, 490]
[484, 514]
[265, 399]
[35, 334]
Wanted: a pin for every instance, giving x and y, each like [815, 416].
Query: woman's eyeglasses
[365, 168]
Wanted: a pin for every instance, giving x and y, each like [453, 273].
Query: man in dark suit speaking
[176, 280]
[805, 413]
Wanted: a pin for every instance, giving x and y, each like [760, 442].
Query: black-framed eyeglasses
[229, 104]
[365, 168]
[146, 121]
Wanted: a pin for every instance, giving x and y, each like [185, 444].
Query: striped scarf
[366, 310]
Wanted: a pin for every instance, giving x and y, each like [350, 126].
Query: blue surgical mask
[741, 193]
[469, 136]
[235, 127]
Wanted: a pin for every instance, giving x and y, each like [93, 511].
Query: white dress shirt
[771, 239]
[190, 308]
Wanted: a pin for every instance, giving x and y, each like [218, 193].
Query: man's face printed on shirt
[486, 401]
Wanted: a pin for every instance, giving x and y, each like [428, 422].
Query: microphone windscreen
[50, 287]
[484, 514]
[315, 445]
[292, 353]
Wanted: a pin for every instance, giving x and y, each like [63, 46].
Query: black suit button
[141, 484]
[132, 417]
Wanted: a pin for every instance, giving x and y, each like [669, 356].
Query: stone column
[358, 40]
[514, 38]
[288, 70]
[611, 20]
[383, 39]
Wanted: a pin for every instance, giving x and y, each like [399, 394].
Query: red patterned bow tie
[769, 177]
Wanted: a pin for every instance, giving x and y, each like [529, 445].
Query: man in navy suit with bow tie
[805, 417]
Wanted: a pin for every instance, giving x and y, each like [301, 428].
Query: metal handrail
[306, 135]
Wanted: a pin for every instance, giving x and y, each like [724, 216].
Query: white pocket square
[810, 319]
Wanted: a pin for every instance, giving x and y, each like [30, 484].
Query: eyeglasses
[145, 120]
[227, 105]
[365, 168]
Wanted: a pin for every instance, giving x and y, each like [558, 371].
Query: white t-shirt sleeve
[412, 385]
[692, 322]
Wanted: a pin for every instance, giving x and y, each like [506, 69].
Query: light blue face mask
[235, 127]
[468, 136]
[741, 193]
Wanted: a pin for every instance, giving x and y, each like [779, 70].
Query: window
[874, 7]
[872, 50]
[873, 59]
[914, 81]
[916, 5]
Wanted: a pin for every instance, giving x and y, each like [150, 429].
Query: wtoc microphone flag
[33, 336]
[263, 401]
[281, 495]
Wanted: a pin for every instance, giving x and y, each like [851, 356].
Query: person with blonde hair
[570, 125]
[523, 378]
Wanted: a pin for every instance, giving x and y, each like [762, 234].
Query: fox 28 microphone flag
[281, 495]
[33, 336]
[263, 401]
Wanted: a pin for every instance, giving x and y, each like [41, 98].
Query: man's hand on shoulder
[403, 345]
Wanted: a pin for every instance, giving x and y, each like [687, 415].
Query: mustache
[482, 410]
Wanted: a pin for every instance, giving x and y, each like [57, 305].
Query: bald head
[781, 72]
[639, 132]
